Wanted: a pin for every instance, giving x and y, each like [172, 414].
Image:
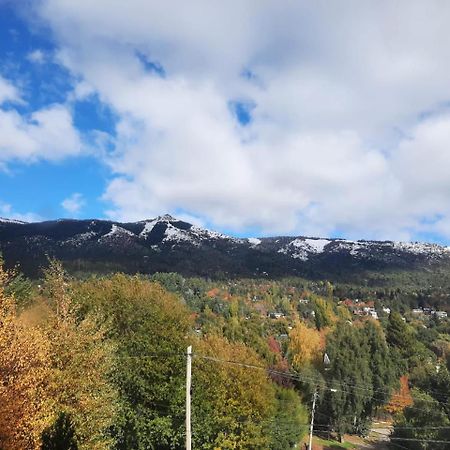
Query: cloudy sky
[255, 117]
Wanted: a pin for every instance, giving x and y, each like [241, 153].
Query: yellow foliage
[235, 401]
[51, 361]
[24, 370]
[81, 360]
[305, 345]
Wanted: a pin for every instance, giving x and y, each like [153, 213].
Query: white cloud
[36, 56]
[338, 140]
[74, 203]
[8, 92]
[47, 134]
[7, 212]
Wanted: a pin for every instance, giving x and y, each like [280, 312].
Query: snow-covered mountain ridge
[302, 248]
[166, 243]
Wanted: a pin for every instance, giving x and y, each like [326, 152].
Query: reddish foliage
[213, 293]
[281, 366]
[274, 345]
[401, 398]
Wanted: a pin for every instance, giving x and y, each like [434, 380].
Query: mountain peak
[165, 218]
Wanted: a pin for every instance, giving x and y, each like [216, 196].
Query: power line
[291, 375]
[302, 378]
[344, 386]
[299, 377]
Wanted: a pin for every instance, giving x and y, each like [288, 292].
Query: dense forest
[100, 362]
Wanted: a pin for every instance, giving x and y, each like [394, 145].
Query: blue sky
[37, 189]
[251, 118]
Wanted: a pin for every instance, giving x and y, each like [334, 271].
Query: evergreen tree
[381, 365]
[60, 436]
[398, 335]
[347, 401]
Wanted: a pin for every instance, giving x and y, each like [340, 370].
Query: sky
[256, 117]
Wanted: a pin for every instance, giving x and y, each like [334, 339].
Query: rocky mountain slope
[168, 244]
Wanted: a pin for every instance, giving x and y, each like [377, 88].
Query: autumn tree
[24, 353]
[401, 397]
[232, 404]
[81, 362]
[305, 346]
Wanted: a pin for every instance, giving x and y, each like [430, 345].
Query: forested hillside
[100, 362]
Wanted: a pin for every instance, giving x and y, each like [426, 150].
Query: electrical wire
[302, 378]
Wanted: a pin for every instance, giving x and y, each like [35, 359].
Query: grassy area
[331, 445]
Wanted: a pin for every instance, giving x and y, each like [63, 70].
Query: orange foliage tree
[401, 398]
[24, 369]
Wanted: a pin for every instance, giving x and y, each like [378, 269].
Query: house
[441, 314]
[275, 315]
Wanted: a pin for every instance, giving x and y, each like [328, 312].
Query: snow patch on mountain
[195, 235]
[354, 248]
[419, 248]
[148, 227]
[4, 220]
[317, 244]
[175, 234]
[254, 241]
[79, 239]
[204, 233]
[117, 231]
[301, 248]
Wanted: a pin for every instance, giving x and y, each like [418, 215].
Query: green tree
[423, 421]
[346, 403]
[289, 423]
[381, 365]
[60, 435]
[436, 383]
[399, 335]
[149, 327]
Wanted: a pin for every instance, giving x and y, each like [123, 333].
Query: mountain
[168, 244]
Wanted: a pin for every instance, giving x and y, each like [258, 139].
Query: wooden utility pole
[311, 427]
[188, 397]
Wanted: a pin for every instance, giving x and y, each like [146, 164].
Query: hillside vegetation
[100, 363]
